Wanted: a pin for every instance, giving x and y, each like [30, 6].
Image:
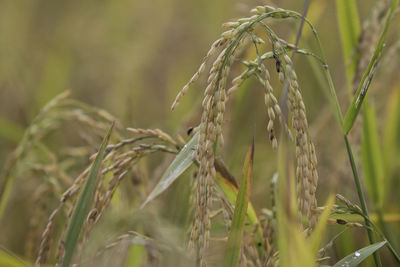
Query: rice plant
[97, 191]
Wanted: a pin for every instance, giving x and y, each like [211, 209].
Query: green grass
[145, 197]
[82, 208]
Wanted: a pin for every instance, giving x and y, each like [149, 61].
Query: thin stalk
[339, 117]
[334, 99]
[391, 249]
[385, 230]
[362, 200]
[286, 85]
[382, 235]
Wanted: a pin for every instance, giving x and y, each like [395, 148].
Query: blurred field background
[131, 58]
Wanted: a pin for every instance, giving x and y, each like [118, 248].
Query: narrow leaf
[362, 90]
[371, 155]
[83, 205]
[228, 186]
[349, 27]
[230, 190]
[10, 260]
[391, 140]
[180, 164]
[358, 256]
[231, 256]
[319, 231]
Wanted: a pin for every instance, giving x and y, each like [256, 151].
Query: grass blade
[181, 163]
[231, 256]
[319, 231]
[228, 186]
[83, 205]
[372, 156]
[362, 90]
[391, 140]
[10, 260]
[230, 189]
[358, 256]
[349, 27]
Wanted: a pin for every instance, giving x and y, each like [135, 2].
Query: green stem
[334, 100]
[382, 235]
[339, 117]
[387, 232]
[362, 199]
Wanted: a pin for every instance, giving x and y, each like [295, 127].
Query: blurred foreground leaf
[83, 205]
[231, 256]
[294, 248]
[9, 260]
[319, 232]
[358, 256]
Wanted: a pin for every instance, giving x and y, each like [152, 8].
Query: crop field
[199, 133]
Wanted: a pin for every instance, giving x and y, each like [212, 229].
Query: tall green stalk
[362, 199]
[339, 117]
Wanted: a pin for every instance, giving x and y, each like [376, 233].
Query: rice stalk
[215, 97]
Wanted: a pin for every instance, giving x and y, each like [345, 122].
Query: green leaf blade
[83, 205]
[231, 256]
[10, 260]
[354, 259]
[371, 156]
[391, 140]
[349, 27]
[228, 186]
[180, 164]
[362, 90]
[319, 232]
